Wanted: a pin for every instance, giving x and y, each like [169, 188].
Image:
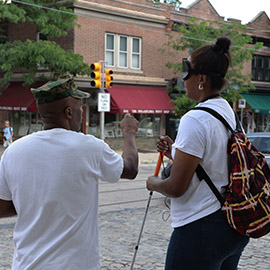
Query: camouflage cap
[56, 90]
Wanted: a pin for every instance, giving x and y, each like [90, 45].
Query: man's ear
[68, 112]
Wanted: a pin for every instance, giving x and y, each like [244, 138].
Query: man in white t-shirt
[53, 189]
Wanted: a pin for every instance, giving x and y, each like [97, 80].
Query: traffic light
[108, 78]
[96, 75]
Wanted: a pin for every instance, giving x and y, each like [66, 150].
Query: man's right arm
[7, 209]
[130, 157]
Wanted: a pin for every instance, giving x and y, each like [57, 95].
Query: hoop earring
[200, 86]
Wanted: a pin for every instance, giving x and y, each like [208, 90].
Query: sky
[244, 10]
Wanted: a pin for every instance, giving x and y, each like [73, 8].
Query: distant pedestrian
[50, 180]
[7, 134]
[202, 238]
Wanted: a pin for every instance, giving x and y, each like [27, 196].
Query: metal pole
[102, 114]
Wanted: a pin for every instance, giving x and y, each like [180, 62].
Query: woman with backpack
[202, 238]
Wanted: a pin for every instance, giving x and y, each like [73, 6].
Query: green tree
[175, 3]
[195, 34]
[53, 19]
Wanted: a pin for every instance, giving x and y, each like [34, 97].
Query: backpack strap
[218, 116]
[201, 173]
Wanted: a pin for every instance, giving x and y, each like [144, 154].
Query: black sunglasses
[187, 71]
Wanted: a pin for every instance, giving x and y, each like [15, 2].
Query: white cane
[160, 158]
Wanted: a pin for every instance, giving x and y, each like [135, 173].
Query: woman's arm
[177, 183]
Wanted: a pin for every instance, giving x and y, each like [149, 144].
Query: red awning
[139, 99]
[18, 98]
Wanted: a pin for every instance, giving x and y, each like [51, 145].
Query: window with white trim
[123, 51]
[110, 49]
[136, 53]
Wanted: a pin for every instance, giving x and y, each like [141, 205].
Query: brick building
[128, 36]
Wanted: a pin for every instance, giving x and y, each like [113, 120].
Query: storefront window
[93, 123]
[24, 123]
[149, 125]
[267, 123]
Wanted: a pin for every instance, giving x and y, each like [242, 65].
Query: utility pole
[102, 113]
[101, 78]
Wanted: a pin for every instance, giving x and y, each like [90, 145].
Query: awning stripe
[259, 102]
[16, 97]
[139, 99]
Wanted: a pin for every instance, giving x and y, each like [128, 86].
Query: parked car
[261, 140]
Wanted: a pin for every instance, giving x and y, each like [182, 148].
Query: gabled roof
[259, 16]
[207, 8]
[260, 24]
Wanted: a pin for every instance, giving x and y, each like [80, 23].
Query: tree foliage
[195, 34]
[53, 19]
[175, 3]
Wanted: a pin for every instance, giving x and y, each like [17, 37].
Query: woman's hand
[151, 182]
[164, 145]
[183, 169]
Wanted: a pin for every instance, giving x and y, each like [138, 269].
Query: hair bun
[222, 45]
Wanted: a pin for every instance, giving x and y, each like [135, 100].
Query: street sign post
[101, 78]
[242, 106]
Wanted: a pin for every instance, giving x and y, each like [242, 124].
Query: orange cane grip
[160, 157]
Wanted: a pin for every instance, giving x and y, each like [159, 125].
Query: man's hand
[129, 124]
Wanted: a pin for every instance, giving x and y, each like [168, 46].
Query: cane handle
[160, 157]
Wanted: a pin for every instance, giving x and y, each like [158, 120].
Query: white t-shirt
[52, 178]
[202, 135]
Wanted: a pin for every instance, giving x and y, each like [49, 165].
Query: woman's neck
[209, 96]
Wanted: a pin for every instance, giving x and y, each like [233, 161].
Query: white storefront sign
[241, 103]
[104, 101]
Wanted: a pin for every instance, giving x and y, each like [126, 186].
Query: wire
[165, 214]
[71, 13]
[47, 8]
[207, 41]
[137, 27]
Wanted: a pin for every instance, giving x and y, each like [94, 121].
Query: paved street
[122, 208]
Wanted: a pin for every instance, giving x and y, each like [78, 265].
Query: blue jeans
[205, 244]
